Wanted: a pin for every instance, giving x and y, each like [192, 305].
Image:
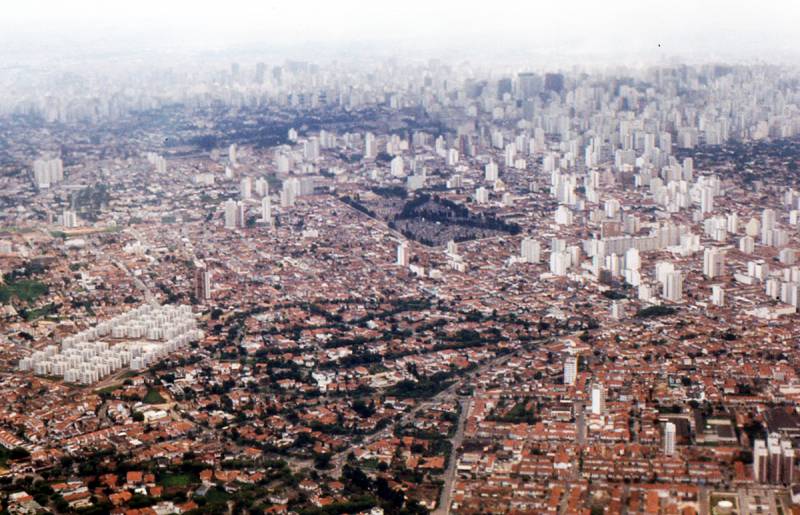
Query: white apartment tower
[570, 370]
[669, 439]
[598, 399]
[403, 254]
[531, 251]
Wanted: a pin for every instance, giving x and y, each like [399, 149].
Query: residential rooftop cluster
[314, 289]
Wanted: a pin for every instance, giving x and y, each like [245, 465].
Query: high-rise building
[787, 462]
[767, 225]
[233, 214]
[775, 459]
[598, 399]
[554, 82]
[48, 172]
[713, 262]
[529, 85]
[403, 254]
[232, 154]
[482, 195]
[669, 439]
[490, 171]
[718, 295]
[672, 286]
[760, 461]
[370, 146]
[570, 369]
[531, 251]
[397, 167]
[266, 210]
[245, 188]
[69, 219]
[202, 282]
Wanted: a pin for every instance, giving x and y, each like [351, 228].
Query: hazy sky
[706, 27]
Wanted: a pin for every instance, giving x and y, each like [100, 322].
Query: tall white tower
[403, 254]
[570, 369]
[669, 438]
[598, 399]
[531, 251]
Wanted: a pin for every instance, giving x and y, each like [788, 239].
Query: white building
[570, 369]
[669, 439]
[598, 399]
[403, 254]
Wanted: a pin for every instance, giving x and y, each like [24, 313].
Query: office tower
[531, 251]
[261, 72]
[490, 171]
[202, 282]
[503, 86]
[370, 146]
[672, 286]
[713, 262]
[669, 438]
[570, 370]
[717, 295]
[231, 214]
[760, 461]
[266, 210]
[554, 82]
[245, 188]
[767, 225]
[403, 254]
[529, 85]
[598, 399]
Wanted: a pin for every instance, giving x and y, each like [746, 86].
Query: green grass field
[153, 397]
[176, 480]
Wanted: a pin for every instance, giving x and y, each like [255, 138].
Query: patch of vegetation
[655, 311]
[25, 290]
[153, 397]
